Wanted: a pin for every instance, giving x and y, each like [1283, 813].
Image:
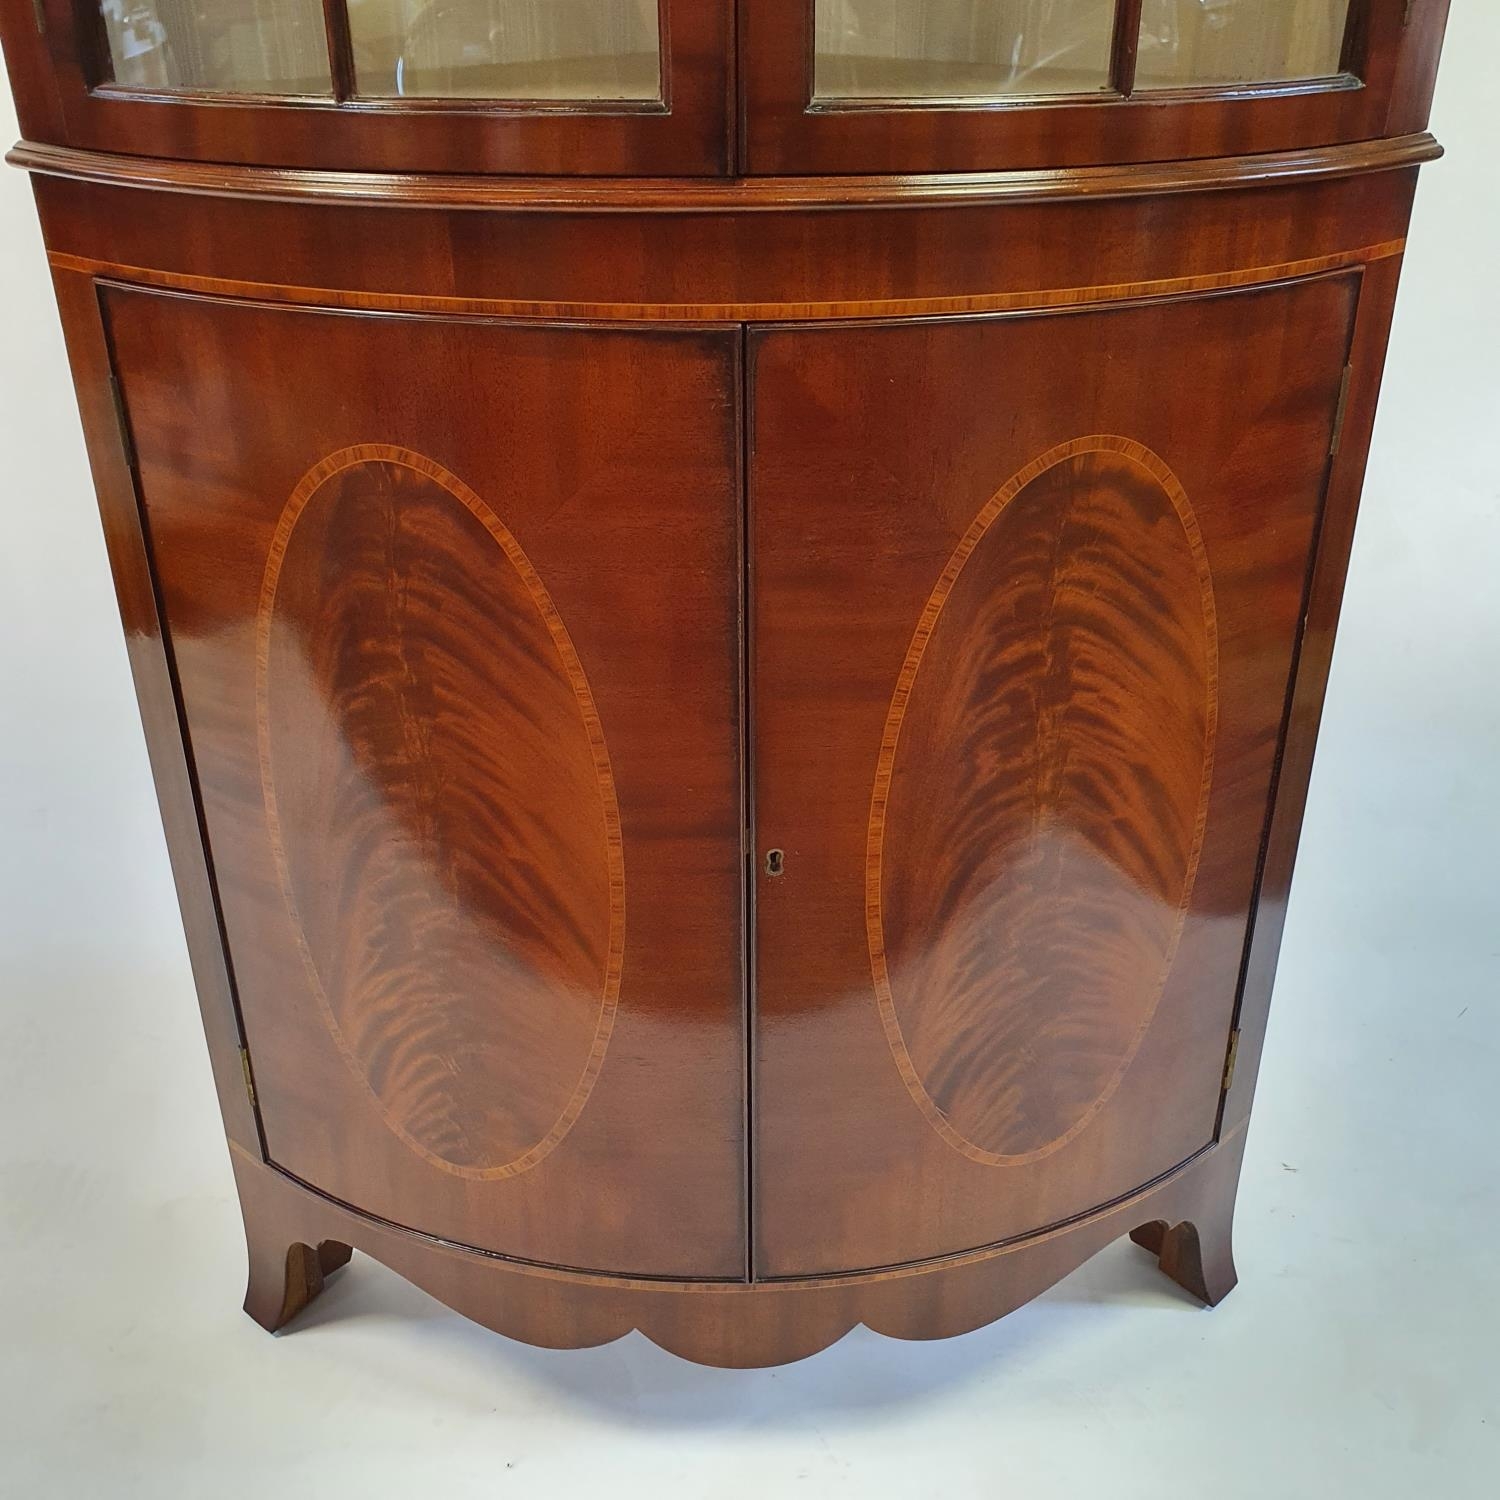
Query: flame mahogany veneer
[732, 746]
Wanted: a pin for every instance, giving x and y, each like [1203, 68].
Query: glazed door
[918, 86]
[545, 86]
[453, 613]
[1027, 591]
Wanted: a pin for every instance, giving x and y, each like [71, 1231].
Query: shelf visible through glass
[1198, 43]
[961, 49]
[218, 46]
[977, 50]
[584, 50]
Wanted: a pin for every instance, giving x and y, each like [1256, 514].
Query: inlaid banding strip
[541, 310]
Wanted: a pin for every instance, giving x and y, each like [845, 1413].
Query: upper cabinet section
[559, 87]
[711, 87]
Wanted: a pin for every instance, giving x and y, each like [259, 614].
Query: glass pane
[961, 49]
[1187, 43]
[506, 49]
[245, 46]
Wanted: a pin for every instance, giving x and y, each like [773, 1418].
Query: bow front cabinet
[731, 607]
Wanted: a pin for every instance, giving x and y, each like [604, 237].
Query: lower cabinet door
[1027, 592]
[453, 608]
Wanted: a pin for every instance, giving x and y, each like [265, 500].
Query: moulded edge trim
[735, 195]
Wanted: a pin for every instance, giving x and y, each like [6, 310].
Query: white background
[1360, 1356]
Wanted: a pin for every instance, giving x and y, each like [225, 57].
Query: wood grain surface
[441, 809]
[1040, 799]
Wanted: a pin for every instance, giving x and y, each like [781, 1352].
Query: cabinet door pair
[607, 840]
[606, 87]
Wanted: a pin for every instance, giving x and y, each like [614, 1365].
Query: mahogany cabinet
[731, 606]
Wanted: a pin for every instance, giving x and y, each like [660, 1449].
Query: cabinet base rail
[297, 1238]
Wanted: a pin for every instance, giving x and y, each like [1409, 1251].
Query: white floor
[1358, 1358]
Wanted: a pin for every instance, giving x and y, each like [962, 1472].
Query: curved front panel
[443, 678]
[1025, 607]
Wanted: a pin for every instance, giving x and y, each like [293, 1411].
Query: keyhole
[775, 862]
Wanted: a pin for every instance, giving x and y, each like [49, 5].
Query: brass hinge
[1406, 18]
[122, 422]
[39, 10]
[249, 1077]
[1343, 409]
[1230, 1060]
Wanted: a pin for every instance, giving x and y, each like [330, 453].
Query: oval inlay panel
[1040, 799]
[441, 809]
